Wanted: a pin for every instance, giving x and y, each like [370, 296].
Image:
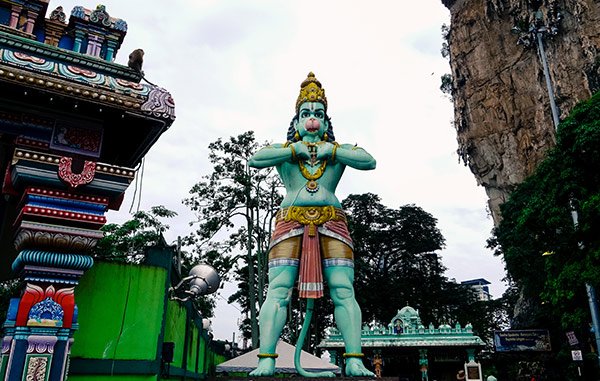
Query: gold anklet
[267, 355]
[353, 355]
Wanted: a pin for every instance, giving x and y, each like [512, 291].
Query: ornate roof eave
[156, 104]
[76, 90]
[67, 56]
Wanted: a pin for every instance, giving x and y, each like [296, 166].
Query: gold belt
[310, 215]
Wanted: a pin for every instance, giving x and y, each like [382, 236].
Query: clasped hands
[325, 150]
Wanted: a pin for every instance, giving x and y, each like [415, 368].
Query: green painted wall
[193, 348]
[120, 312]
[121, 309]
[175, 330]
[201, 356]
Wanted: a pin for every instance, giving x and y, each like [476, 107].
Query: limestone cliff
[501, 105]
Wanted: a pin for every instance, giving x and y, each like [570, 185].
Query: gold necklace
[311, 185]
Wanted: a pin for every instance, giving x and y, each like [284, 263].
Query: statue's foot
[266, 367]
[356, 368]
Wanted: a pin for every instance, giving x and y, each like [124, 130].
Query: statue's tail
[310, 305]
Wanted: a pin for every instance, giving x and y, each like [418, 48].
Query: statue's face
[311, 119]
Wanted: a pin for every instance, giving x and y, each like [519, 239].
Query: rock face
[501, 105]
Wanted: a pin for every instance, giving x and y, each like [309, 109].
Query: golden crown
[311, 91]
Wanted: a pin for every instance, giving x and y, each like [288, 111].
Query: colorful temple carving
[408, 349]
[73, 125]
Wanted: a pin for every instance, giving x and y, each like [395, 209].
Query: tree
[129, 241]
[235, 196]
[9, 289]
[537, 229]
[395, 251]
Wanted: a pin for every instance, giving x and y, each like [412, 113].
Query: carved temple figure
[378, 365]
[311, 241]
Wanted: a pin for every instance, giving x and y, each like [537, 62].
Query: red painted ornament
[66, 174]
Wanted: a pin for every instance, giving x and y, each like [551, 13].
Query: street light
[203, 280]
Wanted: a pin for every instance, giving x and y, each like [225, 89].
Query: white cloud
[235, 66]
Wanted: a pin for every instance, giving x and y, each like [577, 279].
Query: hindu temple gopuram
[73, 126]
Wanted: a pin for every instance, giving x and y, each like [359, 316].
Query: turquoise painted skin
[347, 313]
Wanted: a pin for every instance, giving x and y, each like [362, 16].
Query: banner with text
[522, 340]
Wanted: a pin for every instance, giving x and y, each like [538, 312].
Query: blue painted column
[111, 48]
[79, 37]
[41, 323]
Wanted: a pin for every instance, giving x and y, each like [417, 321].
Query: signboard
[537, 340]
[577, 355]
[473, 371]
[572, 338]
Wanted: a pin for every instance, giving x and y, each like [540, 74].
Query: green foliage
[235, 206]
[396, 265]
[8, 289]
[537, 219]
[447, 85]
[445, 50]
[129, 241]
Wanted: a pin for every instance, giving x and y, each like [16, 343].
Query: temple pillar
[111, 48]
[31, 16]
[333, 357]
[45, 316]
[79, 36]
[59, 217]
[94, 45]
[470, 354]
[423, 364]
[14, 16]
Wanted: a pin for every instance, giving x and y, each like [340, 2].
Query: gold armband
[335, 147]
[293, 153]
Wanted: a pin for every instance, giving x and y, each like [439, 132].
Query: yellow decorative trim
[294, 158]
[311, 215]
[310, 176]
[267, 355]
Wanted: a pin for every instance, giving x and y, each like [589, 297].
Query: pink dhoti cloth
[294, 244]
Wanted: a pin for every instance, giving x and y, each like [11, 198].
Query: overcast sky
[234, 66]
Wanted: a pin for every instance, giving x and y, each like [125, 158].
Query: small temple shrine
[407, 349]
[74, 125]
